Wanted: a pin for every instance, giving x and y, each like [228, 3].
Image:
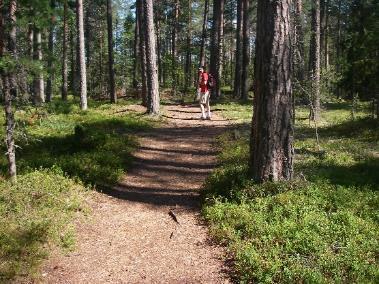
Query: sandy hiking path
[131, 238]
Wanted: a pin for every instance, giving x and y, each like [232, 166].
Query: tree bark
[135, 52]
[299, 42]
[142, 49]
[112, 88]
[64, 53]
[271, 145]
[326, 34]
[73, 63]
[151, 61]
[187, 69]
[30, 39]
[314, 61]
[245, 51]
[174, 47]
[238, 56]
[50, 62]
[38, 82]
[204, 34]
[81, 53]
[217, 34]
[8, 48]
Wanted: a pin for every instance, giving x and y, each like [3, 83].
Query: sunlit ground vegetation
[61, 152]
[321, 227]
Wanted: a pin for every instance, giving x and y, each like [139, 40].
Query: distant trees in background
[105, 49]
[189, 33]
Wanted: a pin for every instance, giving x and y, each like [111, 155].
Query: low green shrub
[322, 227]
[36, 212]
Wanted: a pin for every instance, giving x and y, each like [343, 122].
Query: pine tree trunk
[151, 61]
[101, 69]
[299, 42]
[50, 62]
[157, 17]
[135, 52]
[238, 56]
[322, 30]
[30, 39]
[64, 53]
[174, 47]
[73, 62]
[245, 51]
[271, 145]
[142, 47]
[112, 88]
[338, 51]
[81, 54]
[217, 33]
[314, 61]
[38, 82]
[204, 33]
[8, 47]
[326, 34]
[187, 69]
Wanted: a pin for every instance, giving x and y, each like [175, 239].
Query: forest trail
[131, 238]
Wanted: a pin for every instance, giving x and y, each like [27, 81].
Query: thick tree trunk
[204, 33]
[38, 82]
[64, 53]
[245, 51]
[217, 33]
[112, 88]
[50, 62]
[142, 48]
[238, 56]
[314, 61]
[8, 47]
[81, 53]
[271, 150]
[151, 61]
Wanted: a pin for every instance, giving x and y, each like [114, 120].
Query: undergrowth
[36, 213]
[94, 145]
[323, 226]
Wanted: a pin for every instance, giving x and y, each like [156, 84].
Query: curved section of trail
[131, 237]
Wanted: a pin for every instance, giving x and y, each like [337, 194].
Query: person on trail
[203, 90]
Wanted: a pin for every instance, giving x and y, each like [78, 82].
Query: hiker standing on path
[204, 94]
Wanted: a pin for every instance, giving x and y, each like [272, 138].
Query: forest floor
[131, 237]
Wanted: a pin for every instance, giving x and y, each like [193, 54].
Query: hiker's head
[201, 69]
